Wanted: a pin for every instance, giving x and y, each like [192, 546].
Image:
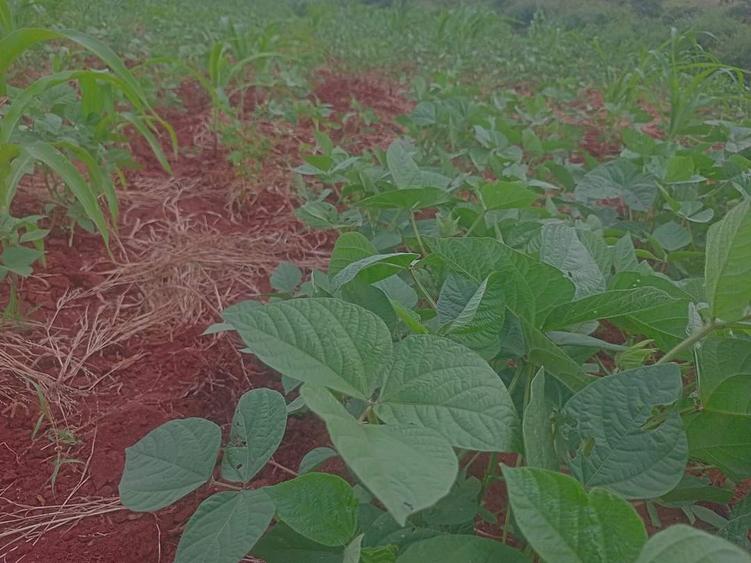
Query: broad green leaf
[374, 268]
[622, 435]
[349, 248]
[459, 507]
[537, 427]
[618, 179]
[562, 249]
[473, 315]
[258, 427]
[607, 305]
[624, 255]
[684, 544]
[314, 458]
[439, 384]
[672, 236]
[665, 324]
[408, 468]
[460, 548]
[19, 259]
[406, 173]
[474, 258]
[531, 288]
[563, 523]
[371, 298]
[544, 352]
[168, 463]
[728, 265]
[320, 506]
[720, 433]
[506, 195]
[406, 198]
[286, 277]
[225, 527]
[322, 341]
[283, 545]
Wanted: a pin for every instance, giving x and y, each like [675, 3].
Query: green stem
[698, 336]
[690, 341]
[423, 290]
[417, 233]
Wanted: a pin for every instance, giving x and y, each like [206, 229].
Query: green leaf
[473, 315]
[460, 548]
[315, 458]
[168, 463]
[544, 352]
[283, 545]
[622, 435]
[349, 248]
[406, 173]
[374, 268]
[286, 277]
[607, 305]
[728, 264]
[506, 195]
[459, 507]
[684, 544]
[537, 427]
[19, 259]
[531, 288]
[225, 527]
[320, 506]
[257, 430]
[562, 249]
[563, 523]
[672, 236]
[720, 433]
[322, 341]
[438, 384]
[406, 198]
[407, 468]
[618, 179]
[624, 255]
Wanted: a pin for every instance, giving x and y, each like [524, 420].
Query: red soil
[163, 369]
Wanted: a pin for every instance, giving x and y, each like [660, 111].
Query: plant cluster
[496, 289]
[64, 130]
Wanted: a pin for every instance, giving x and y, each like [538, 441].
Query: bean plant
[504, 310]
[427, 352]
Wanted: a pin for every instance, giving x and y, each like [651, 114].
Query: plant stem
[699, 335]
[417, 233]
[216, 483]
[423, 290]
[690, 341]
